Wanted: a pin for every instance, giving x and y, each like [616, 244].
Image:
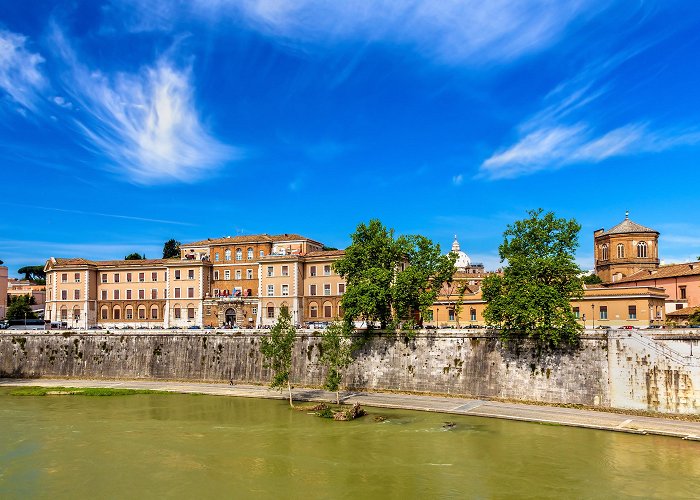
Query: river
[187, 446]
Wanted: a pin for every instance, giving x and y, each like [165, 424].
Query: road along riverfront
[551, 415]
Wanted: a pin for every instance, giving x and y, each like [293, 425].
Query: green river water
[184, 446]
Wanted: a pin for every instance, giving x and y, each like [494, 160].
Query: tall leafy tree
[19, 308]
[592, 279]
[390, 280]
[277, 350]
[34, 274]
[135, 256]
[532, 297]
[336, 355]
[171, 249]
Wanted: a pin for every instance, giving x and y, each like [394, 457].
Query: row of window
[641, 251]
[227, 274]
[239, 254]
[140, 311]
[312, 289]
[603, 312]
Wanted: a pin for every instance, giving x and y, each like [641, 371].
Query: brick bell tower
[624, 250]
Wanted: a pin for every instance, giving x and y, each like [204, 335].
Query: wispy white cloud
[452, 31]
[21, 77]
[146, 123]
[458, 179]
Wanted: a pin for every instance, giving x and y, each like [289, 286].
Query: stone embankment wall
[616, 370]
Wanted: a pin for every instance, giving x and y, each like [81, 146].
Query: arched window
[104, 312]
[250, 253]
[227, 254]
[117, 312]
[142, 312]
[76, 313]
[620, 251]
[313, 310]
[604, 252]
[239, 254]
[642, 249]
[327, 310]
[129, 312]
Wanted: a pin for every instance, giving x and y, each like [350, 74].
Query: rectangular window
[238, 274]
[270, 290]
[216, 275]
[681, 291]
[270, 271]
[312, 271]
[190, 313]
[142, 294]
[472, 314]
[249, 274]
[262, 253]
[177, 274]
[255, 310]
[154, 276]
[104, 278]
[76, 294]
[341, 288]
[576, 313]
[326, 289]
[312, 289]
[64, 313]
[128, 295]
[64, 294]
[190, 274]
[104, 294]
[216, 257]
[142, 313]
[116, 278]
[128, 277]
[190, 293]
[104, 313]
[77, 277]
[142, 277]
[64, 278]
[227, 274]
[285, 270]
[129, 313]
[603, 312]
[178, 314]
[451, 314]
[116, 294]
[117, 314]
[270, 312]
[327, 270]
[632, 311]
[327, 311]
[285, 290]
[154, 293]
[177, 293]
[313, 311]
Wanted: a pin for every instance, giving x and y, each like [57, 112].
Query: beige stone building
[16, 288]
[3, 291]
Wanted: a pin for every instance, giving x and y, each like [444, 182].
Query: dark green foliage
[532, 297]
[34, 274]
[277, 349]
[19, 307]
[336, 355]
[694, 319]
[135, 256]
[171, 249]
[390, 280]
[592, 279]
[326, 248]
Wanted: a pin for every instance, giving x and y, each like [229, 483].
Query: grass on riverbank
[80, 391]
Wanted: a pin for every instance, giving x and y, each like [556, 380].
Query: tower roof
[628, 226]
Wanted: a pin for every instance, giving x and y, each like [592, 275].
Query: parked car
[627, 327]
[194, 327]
[602, 327]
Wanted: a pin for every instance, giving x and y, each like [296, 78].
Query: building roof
[669, 271]
[628, 226]
[686, 311]
[79, 261]
[626, 291]
[251, 238]
[326, 253]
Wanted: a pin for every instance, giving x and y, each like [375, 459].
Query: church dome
[463, 261]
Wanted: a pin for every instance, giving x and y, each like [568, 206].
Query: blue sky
[125, 123]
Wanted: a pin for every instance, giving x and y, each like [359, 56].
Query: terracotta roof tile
[66, 262]
[251, 238]
[686, 311]
[326, 253]
[627, 226]
[669, 271]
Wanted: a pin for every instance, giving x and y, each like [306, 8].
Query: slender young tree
[532, 297]
[277, 350]
[336, 348]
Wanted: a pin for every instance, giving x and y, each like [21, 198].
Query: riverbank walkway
[552, 415]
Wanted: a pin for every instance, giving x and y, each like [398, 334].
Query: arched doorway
[230, 316]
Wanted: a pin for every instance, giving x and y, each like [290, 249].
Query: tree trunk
[289, 386]
[337, 397]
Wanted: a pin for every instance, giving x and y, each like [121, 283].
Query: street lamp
[583, 317]
[593, 314]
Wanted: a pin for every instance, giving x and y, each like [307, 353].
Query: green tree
[532, 297]
[277, 351]
[135, 256]
[390, 280]
[171, 249]
[35, 274]
[1, 263]
[19, 308]
[336, 355]
[694, 319]
[592, 279]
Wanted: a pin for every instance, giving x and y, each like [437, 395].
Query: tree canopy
[391, 280]
[34, 274]
[277, 349]
[532, 297]
[19, 308]
[135, 256]
[592, 279]
[171, 249]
